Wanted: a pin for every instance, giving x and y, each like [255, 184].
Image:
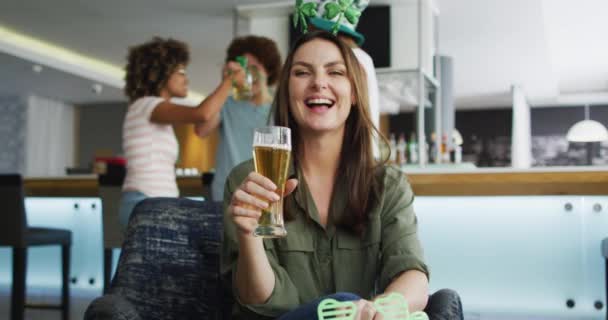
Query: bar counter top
[484, 182]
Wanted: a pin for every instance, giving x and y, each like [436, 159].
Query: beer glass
[271, 156]
[243, 91]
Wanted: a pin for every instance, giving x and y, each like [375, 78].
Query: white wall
[36, 136]
[275, 28]
[404, 35]
[49, 146]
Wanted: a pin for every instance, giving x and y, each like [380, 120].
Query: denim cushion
[169, 264]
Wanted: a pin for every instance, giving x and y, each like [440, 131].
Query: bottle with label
[392, 144]
[457, 143]
[412, 147]
[432, 150]
[445, 154]
[401, 154]
[457, 154]
[243, 91]
[423, 157]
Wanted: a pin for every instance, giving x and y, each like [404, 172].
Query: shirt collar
[305, 203]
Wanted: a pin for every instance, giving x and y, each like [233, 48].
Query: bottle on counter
[392, 145]
[445, 154]
[401, 154]
[432, 150]
[457, 154]
[412, 148]
[457, 143]
[423, 157]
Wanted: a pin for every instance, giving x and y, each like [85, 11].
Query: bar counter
[86, 186]
[482, 182]
[507, 240]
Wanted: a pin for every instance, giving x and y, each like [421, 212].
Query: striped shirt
[151, 151]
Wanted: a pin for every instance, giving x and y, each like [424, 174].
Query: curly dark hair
[150, 64]
[264, 49]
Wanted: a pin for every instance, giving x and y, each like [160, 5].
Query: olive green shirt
[313, 261]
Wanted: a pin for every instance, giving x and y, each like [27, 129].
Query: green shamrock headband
[330, 15]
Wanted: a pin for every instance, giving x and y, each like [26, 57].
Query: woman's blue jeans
[128, 201]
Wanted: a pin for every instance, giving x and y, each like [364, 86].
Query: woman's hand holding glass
[253, 195]
[234, 72]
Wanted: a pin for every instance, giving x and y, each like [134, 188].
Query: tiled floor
[80, 299]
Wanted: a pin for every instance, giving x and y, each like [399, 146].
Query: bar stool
[15, 233]
[110, 191]
[206, 181]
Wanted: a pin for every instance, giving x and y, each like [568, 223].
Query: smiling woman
[342, 207]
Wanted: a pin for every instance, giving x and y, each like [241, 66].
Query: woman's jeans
[128, 201]
[444, 304]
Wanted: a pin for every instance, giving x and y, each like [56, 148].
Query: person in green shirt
[351, 227]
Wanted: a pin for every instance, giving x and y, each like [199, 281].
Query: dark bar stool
[206, 180]
[15, 233]
[110, 191]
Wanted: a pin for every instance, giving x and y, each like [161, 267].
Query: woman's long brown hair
[357, 165]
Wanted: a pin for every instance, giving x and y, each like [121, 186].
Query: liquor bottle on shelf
[457, 143]
[412, 147]
[401, 154]
[457, 154]
[445, 155]
[392, 144]
[424, 156]
[432, 150]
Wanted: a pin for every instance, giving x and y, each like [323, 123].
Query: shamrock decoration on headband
[342, 9]
[303, 12]
[330, 15]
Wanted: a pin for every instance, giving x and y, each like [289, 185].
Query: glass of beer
[243, 91]
[271, 156]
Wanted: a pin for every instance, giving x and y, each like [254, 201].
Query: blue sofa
[169, 267]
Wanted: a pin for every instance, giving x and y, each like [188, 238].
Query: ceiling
[22, 77]
[105, 29]
[554, 49]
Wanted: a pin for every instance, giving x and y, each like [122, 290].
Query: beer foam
[273, 146]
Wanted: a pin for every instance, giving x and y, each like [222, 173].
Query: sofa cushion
[169, 264]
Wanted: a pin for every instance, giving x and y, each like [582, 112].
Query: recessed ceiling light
[37, 68]
[97, 88]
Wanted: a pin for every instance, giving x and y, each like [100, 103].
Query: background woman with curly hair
[155, 73]
[238, 118]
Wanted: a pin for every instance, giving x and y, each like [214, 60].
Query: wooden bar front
[424, 184]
